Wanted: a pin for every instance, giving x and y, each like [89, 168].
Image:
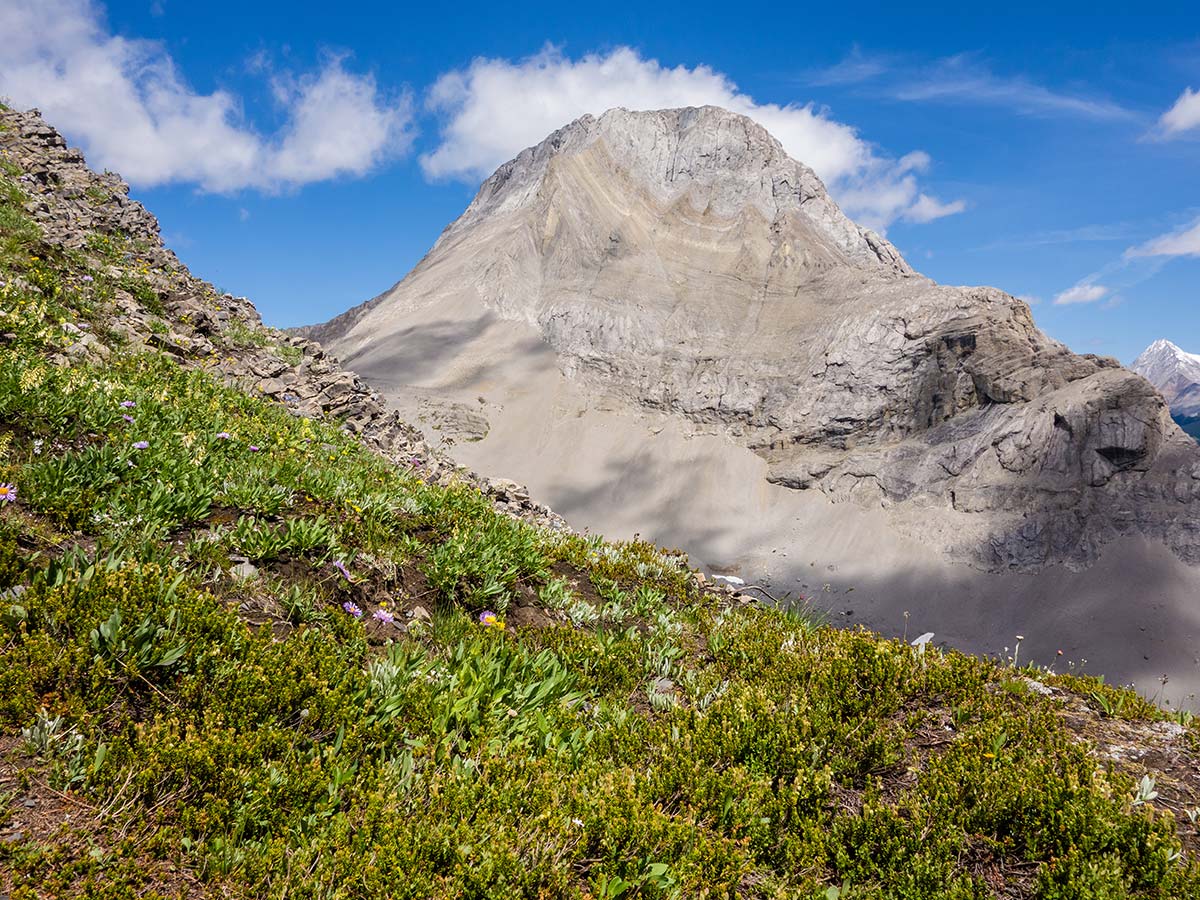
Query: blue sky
[307, 156]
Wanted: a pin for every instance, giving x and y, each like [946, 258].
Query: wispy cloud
[494, 108]
[1081, 293]
[1095, 233]
[964, 79]
[1183, 242]
[128, 104]
[854, 69]
[1137, 264]
[1184, 114]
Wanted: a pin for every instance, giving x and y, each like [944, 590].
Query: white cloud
[1029, 299]
[926, 209]
[1185, 242]
[1081, 293]
[129, 106]
[495, 108]
[1183, 116]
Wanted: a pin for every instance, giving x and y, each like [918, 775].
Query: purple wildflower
[88, 278]
[489, 619]
[127, 418]
[140, 445]
[383, 616]
[8, 493]
[352, 608]
[341, 567]
[253, 448]
[127, 404]
[222, 435]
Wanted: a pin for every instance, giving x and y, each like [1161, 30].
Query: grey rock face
[681, 261]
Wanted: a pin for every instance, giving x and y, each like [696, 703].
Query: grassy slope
[183, 730]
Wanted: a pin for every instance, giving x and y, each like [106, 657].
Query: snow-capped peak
[1174, 371]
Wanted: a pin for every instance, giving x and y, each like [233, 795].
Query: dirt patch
[528, 616]
[580, 583]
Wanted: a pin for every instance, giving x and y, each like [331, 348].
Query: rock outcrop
[174, 312]
[680, 261]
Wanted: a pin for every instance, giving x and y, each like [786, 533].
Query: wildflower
[8, 493]
[383, 616]
[87, 278]
[341, 567]
[222, 435]
[127, 404]
[140, 445]
[127, 417]
[253, 448]
[489, 619]
[352, 608]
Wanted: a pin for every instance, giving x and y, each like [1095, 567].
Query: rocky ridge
[678, 260]
[171, 310]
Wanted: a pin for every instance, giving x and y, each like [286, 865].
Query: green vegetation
[251, 658]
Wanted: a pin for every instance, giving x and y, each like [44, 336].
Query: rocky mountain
[663, 323]
[1176, 374]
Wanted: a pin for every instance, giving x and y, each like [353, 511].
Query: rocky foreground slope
[246, 654]
[169, 309]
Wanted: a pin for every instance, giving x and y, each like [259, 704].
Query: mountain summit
[663, 324]
[1177, 376]
[719, 162]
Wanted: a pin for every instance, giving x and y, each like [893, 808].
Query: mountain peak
[720, 162]
[1165, 349]
[1176, 374]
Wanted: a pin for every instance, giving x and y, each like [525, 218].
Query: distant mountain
[1176, 374]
